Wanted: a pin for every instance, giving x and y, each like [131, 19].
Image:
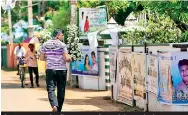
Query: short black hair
[182, 62]
[92, 53]
[82, 12]
[57, 31]
[31, 45]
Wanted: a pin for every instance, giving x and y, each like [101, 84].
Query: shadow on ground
[10, 86]
[94, 101]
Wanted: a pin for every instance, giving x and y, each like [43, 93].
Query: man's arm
[67, 57]
[42, 57]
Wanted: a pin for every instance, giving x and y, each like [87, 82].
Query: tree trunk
[43, 7]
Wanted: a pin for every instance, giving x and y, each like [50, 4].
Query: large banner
[125, 80]
[165, 80]
[139, 74]
[92, 19]
[88, 64]
[113, 60]
[152, 76]
[179, 73]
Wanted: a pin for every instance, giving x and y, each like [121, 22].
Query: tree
[176, 10]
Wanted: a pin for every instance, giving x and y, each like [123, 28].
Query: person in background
[56, 55]
[86, 25]
[31, 59]
[86, 63]
[95, 65]
[19, 52]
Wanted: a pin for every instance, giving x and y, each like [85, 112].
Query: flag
[92, 38]
[114, 36]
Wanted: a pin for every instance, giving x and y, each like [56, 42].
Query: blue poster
[165, 80]
[179, 68]
[88, 65]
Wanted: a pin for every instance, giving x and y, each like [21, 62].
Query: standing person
[19, 52]
[31, 58]
[86, 25]
[95, 65]
[56, 55]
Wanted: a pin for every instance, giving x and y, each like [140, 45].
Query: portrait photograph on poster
[179, 68]
[88, 65]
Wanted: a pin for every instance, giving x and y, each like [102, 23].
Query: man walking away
[56, 55]
[19, 52]
[31, 58]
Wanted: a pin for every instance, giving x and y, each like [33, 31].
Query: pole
[10, 26]
[30, 18]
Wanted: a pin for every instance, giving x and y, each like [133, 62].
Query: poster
[139, 74]
[88, 65]
[41, 64]
[125, 86]
[92, 19]
[165, 80]
[152, 73]
[179, 73]
[113, 66]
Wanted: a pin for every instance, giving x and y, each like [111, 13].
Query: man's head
[31, 47]
[183, 69]
[58, 34]
[20, 45]
[82, 15]
[93, 57]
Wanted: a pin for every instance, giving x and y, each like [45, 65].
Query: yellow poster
[139, 74]
[41, 64]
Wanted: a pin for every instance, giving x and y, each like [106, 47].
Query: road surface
[15, 98]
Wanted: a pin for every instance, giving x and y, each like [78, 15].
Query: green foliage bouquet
[73, 41]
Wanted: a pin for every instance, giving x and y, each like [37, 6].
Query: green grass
[128, 108]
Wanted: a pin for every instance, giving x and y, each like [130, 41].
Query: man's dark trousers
[56, 78]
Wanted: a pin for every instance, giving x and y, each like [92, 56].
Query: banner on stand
[88, 65]
[139, 74]
[152, 74]
[165, 80]
[125, 81]
[113, 60]
[179, 73]
[92, 19]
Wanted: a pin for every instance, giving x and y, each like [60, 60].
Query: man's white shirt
[19, 52]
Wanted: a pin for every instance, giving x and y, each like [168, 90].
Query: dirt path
[15, 98]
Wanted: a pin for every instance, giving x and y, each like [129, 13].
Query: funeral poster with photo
[125, 86]
[88, 65]
[152, 73]
[165, 80]
[139, 75]
[113, 51]
[179, 73]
